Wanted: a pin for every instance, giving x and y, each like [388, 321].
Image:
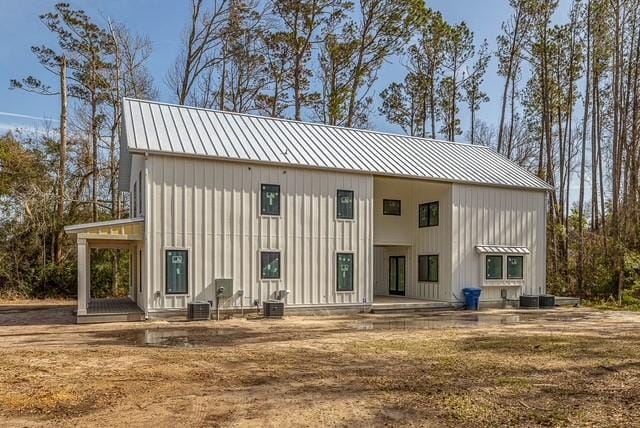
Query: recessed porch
[125, 234]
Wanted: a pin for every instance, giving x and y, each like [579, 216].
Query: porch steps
[408, 307]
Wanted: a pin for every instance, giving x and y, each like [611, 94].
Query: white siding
[495, 216]
[212, 208]
[400, 235]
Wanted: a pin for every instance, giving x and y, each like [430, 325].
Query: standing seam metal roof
[166, 128]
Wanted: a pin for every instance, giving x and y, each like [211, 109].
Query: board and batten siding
[400, 235]
[497, 216]
[212, 209]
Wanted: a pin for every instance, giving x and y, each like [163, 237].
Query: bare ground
[568, 367]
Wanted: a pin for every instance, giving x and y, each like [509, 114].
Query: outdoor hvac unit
[547, 301]
[529, 302]
[198, 311]
[273, 309]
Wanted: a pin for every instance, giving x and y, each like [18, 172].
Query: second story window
[344, 204]
[270, 199]
[391, 207]
[428, 214]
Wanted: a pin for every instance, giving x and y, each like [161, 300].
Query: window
[428, 268]
[270, 265]
[390, 207]
[177, 271]
[494, 267]
[345, 272]
[135, 200]
[270, 199]
[515, 265]
[428, 214]
[345, 204]
[140, 192]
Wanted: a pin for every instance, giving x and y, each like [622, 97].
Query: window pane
[345, 271]
[270, 265]
[345, 204]
[270, 199]
[401, 273]
[134, 210]
[423, 215]
[433, 209]
[494, 267]
[393, 270]
[432, 263]
[390, 207]
[176, 271]
[422, 268]
[515, 265]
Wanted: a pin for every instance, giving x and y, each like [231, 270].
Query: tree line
[568, 111]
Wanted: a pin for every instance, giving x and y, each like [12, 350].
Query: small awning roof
[130, 229]
[501, 249]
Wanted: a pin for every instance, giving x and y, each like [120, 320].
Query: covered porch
[126, 234]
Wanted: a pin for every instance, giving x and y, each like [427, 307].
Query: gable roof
[152, 127]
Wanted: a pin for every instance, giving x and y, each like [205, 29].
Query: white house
[335, 216]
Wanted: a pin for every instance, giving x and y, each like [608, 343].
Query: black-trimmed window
[428, 214]
[428, 268]
[494, 267]
[344, 271]
[270, 265]
[270, 199]
[177, 271]
[344, 204]
[140, 196]
[391, 207]
[134, 208]
[515, 267]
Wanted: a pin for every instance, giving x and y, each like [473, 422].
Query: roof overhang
[501, 249]
[129, 229]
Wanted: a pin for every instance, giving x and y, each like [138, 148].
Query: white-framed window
[344, 271]
[503, 269]
[270, 264]
[176, 271]
[344, 204]
[270, 199]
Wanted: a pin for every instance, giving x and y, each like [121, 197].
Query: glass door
[397, 275]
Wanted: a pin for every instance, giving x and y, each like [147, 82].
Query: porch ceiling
[130, 229]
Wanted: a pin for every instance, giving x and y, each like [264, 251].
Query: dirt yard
[552, 368]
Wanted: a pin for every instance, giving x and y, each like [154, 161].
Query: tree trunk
[62, 167]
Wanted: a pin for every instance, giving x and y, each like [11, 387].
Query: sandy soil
[569, 367]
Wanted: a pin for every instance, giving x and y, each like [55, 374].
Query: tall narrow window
[344, 204]
[428, 268]
[391, 207]
[428, 214]
[515, 267]
[177, 271]
[270, 265]
[270, 199]
[140, 196]
[494, 267]
[134, 208]
[344, 271]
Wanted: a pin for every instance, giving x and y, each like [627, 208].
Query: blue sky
[163, 21]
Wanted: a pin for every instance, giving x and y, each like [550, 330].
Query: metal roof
[501, 249]
[84, 227]
[152, 127]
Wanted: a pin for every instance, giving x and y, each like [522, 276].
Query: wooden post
[83, 276]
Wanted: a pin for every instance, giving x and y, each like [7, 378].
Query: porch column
[83, 275]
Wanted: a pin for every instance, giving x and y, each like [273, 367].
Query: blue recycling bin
[472, 298]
